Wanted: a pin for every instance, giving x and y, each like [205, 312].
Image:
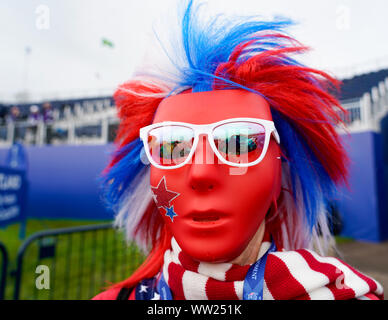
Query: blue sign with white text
[13, 189]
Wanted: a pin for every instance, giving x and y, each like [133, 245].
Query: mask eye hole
[170, 145]
[240, 142]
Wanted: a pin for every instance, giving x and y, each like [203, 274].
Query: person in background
[14, 114]
[48, 118]
[34, 115]
[3, 114]
[33, 121]
[3, 119]
[13, 117]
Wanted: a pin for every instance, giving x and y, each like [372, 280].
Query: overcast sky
[66, 54]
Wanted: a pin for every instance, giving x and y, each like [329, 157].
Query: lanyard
[253, 283]
[164, 289]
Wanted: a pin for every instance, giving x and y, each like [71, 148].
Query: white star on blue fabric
[156, 296]
[170, 213]
[143, 288]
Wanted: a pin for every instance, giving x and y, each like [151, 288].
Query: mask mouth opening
[206, 218]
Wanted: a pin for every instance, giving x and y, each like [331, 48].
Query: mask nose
[203, 172]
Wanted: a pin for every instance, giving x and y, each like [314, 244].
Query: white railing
[94, 123]
[30, 98]
[365, 114]
[78, 127]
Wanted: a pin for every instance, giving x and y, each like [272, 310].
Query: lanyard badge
[253, 283]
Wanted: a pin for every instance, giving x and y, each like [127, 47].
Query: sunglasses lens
[170, 145]
[240, 142]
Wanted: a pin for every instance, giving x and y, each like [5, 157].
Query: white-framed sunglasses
[238, 142]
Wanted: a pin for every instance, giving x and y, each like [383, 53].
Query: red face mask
[212, 209]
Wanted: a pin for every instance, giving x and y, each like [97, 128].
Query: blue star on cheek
[170, 213]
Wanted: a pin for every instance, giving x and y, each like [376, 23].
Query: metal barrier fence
[354, 109]
[3, 270]
[81, 262]
[71, 131]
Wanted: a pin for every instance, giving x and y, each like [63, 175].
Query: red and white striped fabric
[300, 274]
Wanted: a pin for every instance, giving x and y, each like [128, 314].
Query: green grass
[10, 235]
[82, 266]
[341, 240]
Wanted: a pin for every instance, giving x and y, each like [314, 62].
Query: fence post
[4, 270]
[385, 83]
[71, 132]
[366, 111]
[40, 235]
[19, 268]
[104, 130]
[375, 101]
[10, 132]
[41, 134]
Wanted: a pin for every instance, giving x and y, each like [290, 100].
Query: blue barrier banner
[63, 181]
[13, 195]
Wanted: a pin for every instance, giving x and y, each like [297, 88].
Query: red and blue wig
[239, 53]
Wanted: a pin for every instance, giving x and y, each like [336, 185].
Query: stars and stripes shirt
[300, 274]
